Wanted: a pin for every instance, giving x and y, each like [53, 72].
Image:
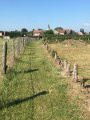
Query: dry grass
[75, 54]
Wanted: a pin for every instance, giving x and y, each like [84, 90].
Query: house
[2, 34]
[38, 32]
[42, 32]
[63, 32]
[7, 37]
[80, 33]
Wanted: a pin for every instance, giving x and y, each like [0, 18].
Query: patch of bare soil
[77, 93]
[73, 42]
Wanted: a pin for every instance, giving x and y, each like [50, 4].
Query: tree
[82, 30]
[40, 29]
[13, 34]
[58, 28]
[24, 31]
[49, 32]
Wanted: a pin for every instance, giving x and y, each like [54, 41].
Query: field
[34, 89]
[75, 52]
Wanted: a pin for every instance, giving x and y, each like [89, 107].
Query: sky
[35, 14]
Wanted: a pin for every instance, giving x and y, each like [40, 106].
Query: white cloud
[86, 24]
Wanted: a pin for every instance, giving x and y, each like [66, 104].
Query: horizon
[18, 14]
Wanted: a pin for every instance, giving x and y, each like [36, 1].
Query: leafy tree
[82, 30]
[24, 31]
[58, 28]
[30, 33]
[40, 29]
[7, 33]
[49, 32]
[13, 34]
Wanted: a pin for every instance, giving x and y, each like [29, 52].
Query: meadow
[75, 52]
[34, 89]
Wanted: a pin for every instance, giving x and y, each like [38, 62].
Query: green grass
[33, 90]
[75, 54]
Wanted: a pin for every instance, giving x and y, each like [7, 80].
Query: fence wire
[1, 51]
[14, 48]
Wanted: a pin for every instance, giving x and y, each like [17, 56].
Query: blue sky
[34, 14]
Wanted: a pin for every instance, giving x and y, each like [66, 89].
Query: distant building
[86, 33]
[80, 33]
[48, 27]
[38, 32]
[2, 34]
[63, 32]
[7, 37]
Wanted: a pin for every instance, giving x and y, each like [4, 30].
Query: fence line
[68, 71]
[11, 50]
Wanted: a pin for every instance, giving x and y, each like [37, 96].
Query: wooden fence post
[61, 62]
[4, 58]
[68, 69]
[65, 65]
[75, 73]
[13, 50]
[55, 58]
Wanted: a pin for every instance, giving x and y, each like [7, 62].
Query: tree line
[17, 33]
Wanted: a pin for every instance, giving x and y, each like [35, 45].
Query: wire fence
[1, 51]
[10, 50]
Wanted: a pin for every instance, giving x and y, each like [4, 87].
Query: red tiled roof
[36, 31]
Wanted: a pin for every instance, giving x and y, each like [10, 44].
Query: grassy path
[34, 90]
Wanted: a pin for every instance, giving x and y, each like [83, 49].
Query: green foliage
[58, 28]
[61, 38]
[39, 37]
[82, 30]
[17, 33]
[12, 34]
[30, 33]
[40, 29]
[49, 32]
[53, 53]
[24, 31]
